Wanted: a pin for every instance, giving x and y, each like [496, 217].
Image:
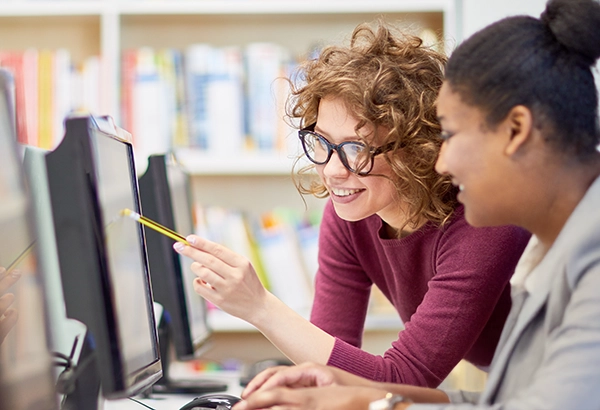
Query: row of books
[281, 244]
[225, 101]
[283, 247]
[222, 100]
[48, 87]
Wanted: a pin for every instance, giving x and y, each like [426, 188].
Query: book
[31, 92]
[214, 79]
[263, 62]
[13, 61]
[62, 92]
[128, 64]
[197, 76]
[231, 228]
[181, 134]
[45, 100]
[283, 261]
[150, 126]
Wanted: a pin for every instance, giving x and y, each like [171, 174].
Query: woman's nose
[440, 164]
[334, 167]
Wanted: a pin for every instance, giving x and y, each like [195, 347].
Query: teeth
[344, 192]
[461, 187]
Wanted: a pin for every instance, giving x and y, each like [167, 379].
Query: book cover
[13, 61]
[31, 91]
[263, 62]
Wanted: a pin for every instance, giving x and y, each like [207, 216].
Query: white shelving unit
[222, 322]
[106, 27]
[254, 183]
[199, 163]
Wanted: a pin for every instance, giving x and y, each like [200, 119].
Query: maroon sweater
[450, 287]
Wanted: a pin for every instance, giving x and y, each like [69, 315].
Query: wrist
[390, 402]
[263, 312]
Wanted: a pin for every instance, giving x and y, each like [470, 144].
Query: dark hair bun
[576, 25]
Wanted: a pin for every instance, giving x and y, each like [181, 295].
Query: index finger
[282, 398]
[259, 379]
[217, 250]
[298, 376]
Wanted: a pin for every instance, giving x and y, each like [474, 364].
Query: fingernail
[178, 246]
[191, 239]
[15, 274]
[240, 405]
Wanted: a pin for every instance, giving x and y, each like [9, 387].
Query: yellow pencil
[154, 225]
[20, 258]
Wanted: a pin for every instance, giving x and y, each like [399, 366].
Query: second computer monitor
[166, 198]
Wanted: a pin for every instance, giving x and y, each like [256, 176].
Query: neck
[402, 231]
[554, 202]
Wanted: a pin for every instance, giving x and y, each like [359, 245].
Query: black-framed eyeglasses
[355, 156]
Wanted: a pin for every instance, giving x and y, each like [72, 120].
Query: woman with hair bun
[519, 117]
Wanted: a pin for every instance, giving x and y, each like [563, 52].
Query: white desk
[162, 402]
[174, 401]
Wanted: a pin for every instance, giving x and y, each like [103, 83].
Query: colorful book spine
[263, 67]
[47, 89]
[197, 77]
[31, 90]
[13, 61]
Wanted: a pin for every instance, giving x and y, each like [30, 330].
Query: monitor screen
[102, 255]
[126, 255]
[26, 379]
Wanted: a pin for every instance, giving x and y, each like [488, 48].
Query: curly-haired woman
[369, 126]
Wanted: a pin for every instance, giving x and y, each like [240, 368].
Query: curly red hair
[389, 80]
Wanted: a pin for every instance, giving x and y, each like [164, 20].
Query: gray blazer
[548, 356]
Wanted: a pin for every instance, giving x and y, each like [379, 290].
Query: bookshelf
[254, 183]
[106, 27]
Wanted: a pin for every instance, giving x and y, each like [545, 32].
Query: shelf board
[223, 322]
[173, 7]
[30, 8]
[145, 7]
[197, 162]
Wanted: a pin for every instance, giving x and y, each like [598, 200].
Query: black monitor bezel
[79, 230]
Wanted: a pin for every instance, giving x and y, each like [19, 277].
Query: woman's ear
[519, 122]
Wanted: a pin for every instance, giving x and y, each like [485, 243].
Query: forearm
[293, 335]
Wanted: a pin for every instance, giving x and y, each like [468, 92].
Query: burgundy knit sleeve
[342, 289]
[470, 288]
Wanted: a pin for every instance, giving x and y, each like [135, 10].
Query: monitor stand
[85, 382]
[166, 385]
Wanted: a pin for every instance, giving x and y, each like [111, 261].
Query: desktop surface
[175, 401]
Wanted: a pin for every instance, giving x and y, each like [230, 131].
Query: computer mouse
[219, 401]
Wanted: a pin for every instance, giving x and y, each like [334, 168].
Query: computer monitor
[166, 198]
[26, 379]
[102, 257]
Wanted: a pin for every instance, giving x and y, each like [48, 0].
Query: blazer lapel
[581, 225]
[525, 307]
